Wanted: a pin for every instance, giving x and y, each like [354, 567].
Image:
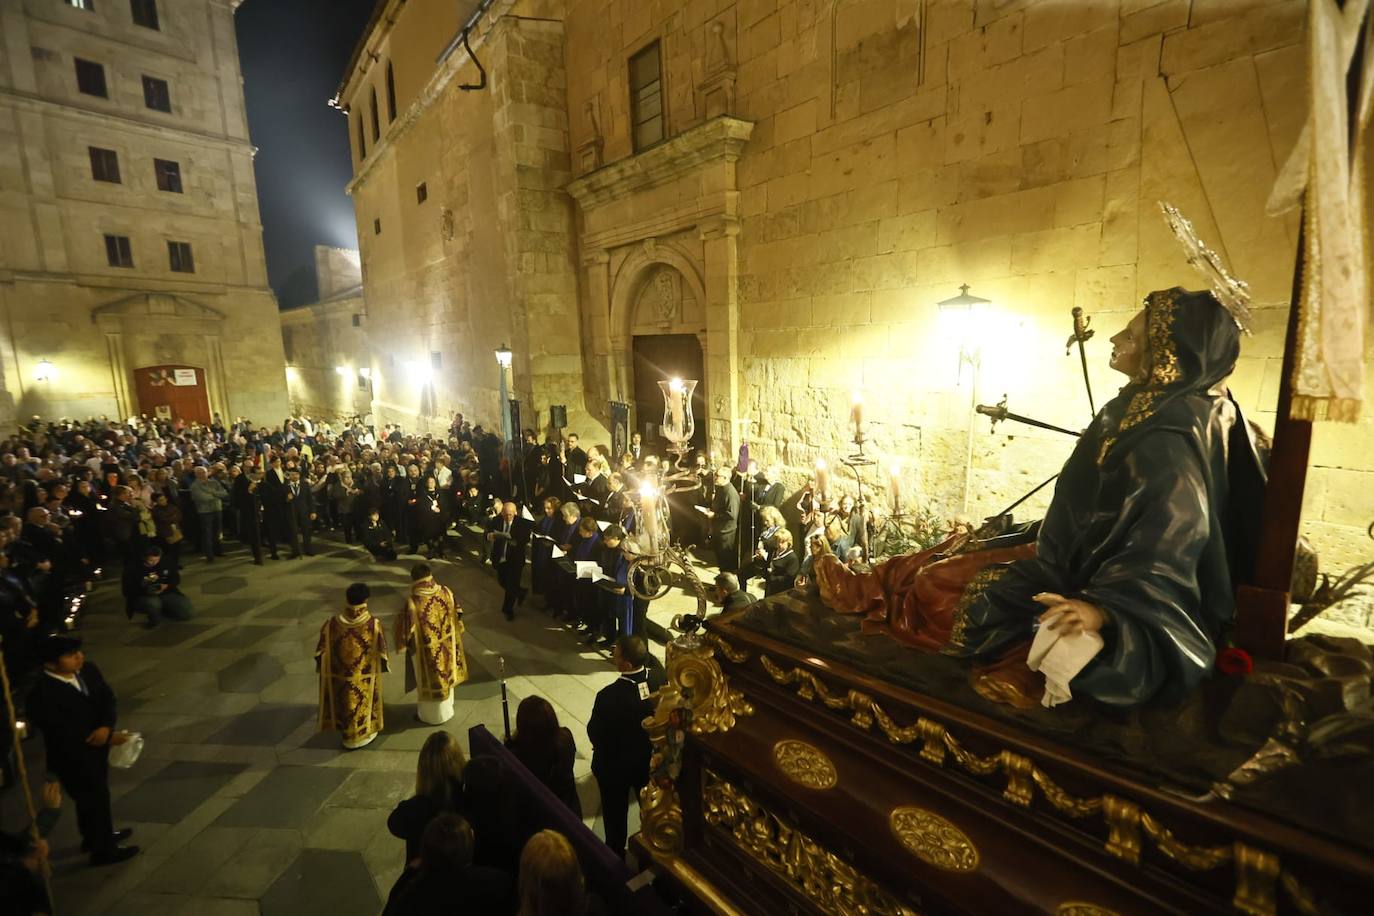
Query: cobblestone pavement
[241, 807]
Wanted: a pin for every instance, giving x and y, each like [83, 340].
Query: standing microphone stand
[505, 701]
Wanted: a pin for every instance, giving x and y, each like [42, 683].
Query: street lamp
[503, 357]
[961, 316]
[45, 371]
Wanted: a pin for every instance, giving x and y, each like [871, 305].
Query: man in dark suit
[726, 593]
[507, 537]
[620, 746]
[301, 503]
[276, 508]
[75, 710]
[724, 516]
[575, 458]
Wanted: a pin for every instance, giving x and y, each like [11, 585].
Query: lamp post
[962, 313]
[503, 358]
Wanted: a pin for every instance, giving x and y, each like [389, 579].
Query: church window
[646, 97]
[390, 93]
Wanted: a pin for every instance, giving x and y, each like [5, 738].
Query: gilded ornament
[1079, 908]
[829, 882]
[805, 765]
[1127, 825]
[933, 840]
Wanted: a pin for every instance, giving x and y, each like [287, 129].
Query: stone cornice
[31, 102]
[721, 139]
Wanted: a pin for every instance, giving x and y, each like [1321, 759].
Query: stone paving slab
[323, 883]
[250, 673]
[287, 797]
[168, 795]
[266, 726]
[236, 637]
[172, 633]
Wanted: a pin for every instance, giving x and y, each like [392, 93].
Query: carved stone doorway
[664, 356]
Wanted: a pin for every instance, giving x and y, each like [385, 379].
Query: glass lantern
[678, 424]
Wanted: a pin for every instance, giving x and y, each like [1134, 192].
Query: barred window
[168, 175]
[104, 164]
[156, 94]
[179, 253]
[646, 97]
[118, 251]
[90, 78]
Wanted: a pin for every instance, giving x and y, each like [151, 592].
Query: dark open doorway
[659, 357]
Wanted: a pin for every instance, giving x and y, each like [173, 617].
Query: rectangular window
[118, 252]
[81, 4]
[179, 253]
[377, 226]
[646, 97]
[90, 78]
[357, 319]
[104, 164]
[156, 95]
[436, 359]
[145, 13]
[421, 193]
[362, 380]
[168, 175]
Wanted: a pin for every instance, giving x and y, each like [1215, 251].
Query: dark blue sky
[293, 53]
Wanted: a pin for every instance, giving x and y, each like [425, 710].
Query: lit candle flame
[675, 385]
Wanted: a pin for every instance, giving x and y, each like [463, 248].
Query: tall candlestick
[675, 403]
[822, 476]
[856, 413]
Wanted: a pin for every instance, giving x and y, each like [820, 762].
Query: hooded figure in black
[1152, 520]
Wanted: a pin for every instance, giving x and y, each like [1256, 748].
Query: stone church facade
[132, 275]
[778, 194]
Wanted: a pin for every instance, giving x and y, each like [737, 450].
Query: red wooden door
[174, 392]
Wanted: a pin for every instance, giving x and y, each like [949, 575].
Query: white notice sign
[184, 377]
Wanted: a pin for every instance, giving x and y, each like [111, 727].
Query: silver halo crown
[1233, 294]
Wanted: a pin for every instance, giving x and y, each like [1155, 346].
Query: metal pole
[505, 702]
[505, 409]
[23, 773]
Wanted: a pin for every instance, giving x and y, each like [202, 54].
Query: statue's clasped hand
[1071, 616]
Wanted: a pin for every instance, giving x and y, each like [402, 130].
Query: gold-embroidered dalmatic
[351, 655]
[432, 630]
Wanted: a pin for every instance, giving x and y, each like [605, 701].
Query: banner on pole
[620, 429]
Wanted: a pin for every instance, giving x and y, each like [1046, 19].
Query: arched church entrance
[173, 393]
[667, 328]
[665, 356]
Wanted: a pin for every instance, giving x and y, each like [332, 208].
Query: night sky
[293, 53]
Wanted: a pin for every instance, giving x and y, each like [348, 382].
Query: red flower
[1234, 661]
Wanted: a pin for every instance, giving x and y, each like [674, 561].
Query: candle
[822, 477]
[896, 486]
[856, 412]
[648, 507]
[675, 404]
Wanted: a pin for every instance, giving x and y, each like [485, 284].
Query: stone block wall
[327, 351]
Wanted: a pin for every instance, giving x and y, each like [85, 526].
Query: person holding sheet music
[548, 533]
[585, 548]
[507, 539]
[613, 594]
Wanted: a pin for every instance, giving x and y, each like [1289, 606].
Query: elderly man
[724, 516]
[507, 537]
[208, 496]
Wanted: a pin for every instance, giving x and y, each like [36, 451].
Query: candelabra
[856, 463]
[651, 573]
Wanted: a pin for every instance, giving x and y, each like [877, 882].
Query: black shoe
[114, 855]
[120, 835]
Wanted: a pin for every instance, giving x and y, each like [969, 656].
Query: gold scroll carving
[830, 883]
[697, 698]
[804, 764]
[1258, 873]
[933, 840]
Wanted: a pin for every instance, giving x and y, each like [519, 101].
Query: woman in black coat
[438, 790]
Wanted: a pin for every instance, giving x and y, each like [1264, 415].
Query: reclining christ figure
[1152, 518]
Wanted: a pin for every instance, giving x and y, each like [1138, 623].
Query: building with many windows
[132, 276]
[782, 199]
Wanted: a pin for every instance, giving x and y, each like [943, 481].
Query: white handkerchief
[1059, 658]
